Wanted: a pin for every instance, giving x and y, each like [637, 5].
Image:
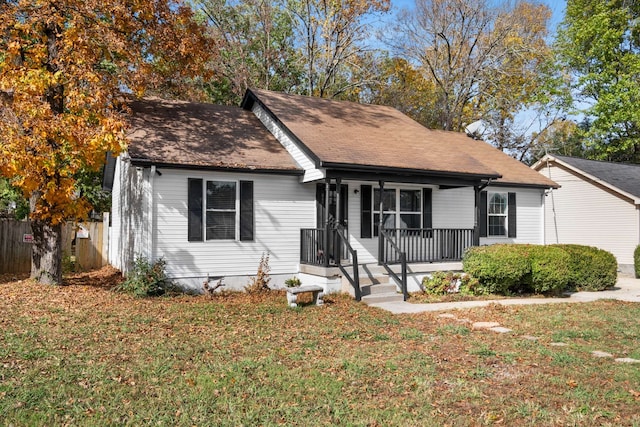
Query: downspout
[151, 249]
[553, 205]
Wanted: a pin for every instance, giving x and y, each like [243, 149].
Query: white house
[597, 204]
[316, 184]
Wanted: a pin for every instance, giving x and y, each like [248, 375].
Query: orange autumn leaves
[66, 68]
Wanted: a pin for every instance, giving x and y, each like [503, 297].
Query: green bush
[512, 268]
[500, 269]
[636, 261]
[550, 269]
[440, 283]
[146, 279]
[293, 282]
[591, 269]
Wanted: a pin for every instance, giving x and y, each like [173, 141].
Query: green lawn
[84, 355]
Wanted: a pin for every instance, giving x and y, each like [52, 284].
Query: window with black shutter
[194, 218]
[220, 210]
[498, 214]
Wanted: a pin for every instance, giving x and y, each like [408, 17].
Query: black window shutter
[320, 206]
[246, 210]
[365, 210]
[427, 208]
[483, 214]
[511, 223]
[194, 219]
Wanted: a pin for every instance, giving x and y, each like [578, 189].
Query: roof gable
[621, 177]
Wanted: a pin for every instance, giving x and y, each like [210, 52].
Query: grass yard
[84, 355]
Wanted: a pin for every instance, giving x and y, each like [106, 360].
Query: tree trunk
[46, 250]
[46, 253]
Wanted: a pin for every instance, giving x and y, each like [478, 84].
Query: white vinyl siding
[311, 173]
[454, 208]
[130, 218]
[282, 206]
[587, 214]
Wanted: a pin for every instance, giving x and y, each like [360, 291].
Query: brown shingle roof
[203, 135]
[512, 171]
[372, 135]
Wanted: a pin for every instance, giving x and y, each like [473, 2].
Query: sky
[557, 9]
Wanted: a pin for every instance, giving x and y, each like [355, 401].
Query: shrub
[499, 268]
[146, 279]
[293, 282]
[260, 282]
[513, 268]
[440, 283]
[591, 269]
[636, 261]
[550, 269]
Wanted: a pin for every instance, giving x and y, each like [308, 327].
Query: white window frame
[236, 209]
[504, 215]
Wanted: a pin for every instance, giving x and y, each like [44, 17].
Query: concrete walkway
[627, 289]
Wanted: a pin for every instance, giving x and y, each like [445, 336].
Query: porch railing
[318, 248]
[425, 244]
[312, 247]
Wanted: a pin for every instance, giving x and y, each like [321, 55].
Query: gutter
[396, 170]
[149, 163]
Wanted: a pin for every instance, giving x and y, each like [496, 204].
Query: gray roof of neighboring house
[624, 176]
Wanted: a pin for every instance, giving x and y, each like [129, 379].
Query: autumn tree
[332, 38]
[401, 85]
[256, 44]
[483, 60]
[599, 43]
[63, 67]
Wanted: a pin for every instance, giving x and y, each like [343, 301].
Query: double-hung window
[497, 214]
[400, 209]
[220, 210]
[388, 209]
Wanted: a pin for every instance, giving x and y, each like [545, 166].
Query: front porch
[404, 255]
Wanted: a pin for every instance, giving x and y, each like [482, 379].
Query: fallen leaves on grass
[185, 360]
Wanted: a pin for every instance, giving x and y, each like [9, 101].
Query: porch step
[380, 292]
[378, 288]
[383, 297]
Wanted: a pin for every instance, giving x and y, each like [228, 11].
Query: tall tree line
[67, 67]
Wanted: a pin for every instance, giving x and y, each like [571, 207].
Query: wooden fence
[86, 246]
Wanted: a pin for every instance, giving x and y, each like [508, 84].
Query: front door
[333, 207]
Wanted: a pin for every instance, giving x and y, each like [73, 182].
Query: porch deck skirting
[420, 245]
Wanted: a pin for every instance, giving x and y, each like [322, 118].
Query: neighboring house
[597, 204]
[212, 188]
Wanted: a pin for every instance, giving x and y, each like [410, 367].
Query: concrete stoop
[375, 285]
[382, 291]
